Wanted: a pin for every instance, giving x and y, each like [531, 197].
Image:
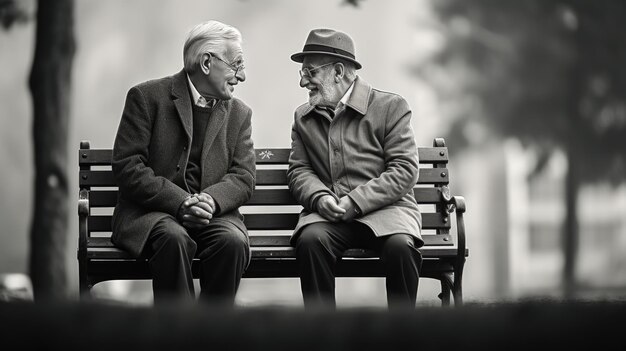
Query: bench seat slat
[274, 252]
[279, 240]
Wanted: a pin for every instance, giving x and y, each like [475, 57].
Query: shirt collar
[198, 99]
[344, 98]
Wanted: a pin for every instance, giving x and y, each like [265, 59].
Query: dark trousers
[320, 245]
[223, 250]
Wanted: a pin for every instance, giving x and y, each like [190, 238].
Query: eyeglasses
[236, 69]
[306, 72]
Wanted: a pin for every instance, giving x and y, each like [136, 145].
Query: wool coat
[151, 152]
[367, 152]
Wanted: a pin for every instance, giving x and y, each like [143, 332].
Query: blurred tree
[11, 13]
[49, 82]
[550, 73]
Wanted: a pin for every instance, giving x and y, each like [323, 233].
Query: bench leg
[84, 290]
[457, 290]
[446, 284]
[458, 295]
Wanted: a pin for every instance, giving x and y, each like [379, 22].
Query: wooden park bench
[270, 216]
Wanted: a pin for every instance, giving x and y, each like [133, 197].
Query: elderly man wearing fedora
[352, 167]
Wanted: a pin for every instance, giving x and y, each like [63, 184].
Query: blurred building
[537, 210]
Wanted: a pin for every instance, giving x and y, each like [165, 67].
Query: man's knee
[312, 236]
[398, 246]
[229, 240]
[235, 240]
[168, 233]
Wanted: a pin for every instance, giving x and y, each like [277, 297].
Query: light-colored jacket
[152, 149]
[368, 152]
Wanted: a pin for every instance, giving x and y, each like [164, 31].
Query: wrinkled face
[323, 89]
[223, 72]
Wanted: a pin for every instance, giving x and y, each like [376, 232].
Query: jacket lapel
[213, 127]
[182, 101]
[359, 99]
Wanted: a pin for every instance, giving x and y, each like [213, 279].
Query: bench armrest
[458, 204]
[83, 203]
[83, 214]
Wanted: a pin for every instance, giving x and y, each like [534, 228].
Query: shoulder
[392, 103]
[154, 87]
[237, 106]
[379, 95]
[302, 110]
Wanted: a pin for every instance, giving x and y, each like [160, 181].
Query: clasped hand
[344, 210]
[197, 211]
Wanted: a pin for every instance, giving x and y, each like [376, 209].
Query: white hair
[210, 36]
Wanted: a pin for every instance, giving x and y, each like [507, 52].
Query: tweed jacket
[367, 152]
[151, 152]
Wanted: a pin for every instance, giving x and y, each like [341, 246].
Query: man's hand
[197, 211]
[327, 207]
[206, 202]
[351, 209]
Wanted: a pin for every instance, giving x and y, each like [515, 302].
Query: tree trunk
[570, 225]
[50, 80]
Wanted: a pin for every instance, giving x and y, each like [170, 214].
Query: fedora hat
[328, 42]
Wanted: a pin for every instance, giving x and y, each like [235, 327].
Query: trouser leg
[170, 251]
[318, 247]
[224, 252]
[402, 262]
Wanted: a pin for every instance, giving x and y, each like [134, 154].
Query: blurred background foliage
[548, 73]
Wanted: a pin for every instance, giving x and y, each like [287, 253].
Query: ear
[340, 71]
[205, 63]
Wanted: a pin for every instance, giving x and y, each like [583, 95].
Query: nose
[241, 75]
[303, 81]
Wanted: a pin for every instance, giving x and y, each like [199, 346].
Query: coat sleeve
[401, 160]
[304, 184]
[136, 180]
[236, 186]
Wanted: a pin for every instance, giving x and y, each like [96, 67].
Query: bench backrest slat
[272, 197]
[104, 178]
[102, 157]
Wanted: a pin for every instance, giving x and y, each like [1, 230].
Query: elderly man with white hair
[184, 161]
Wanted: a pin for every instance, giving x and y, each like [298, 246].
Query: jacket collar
[358, 100]
[360, 97]
[182, 100]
